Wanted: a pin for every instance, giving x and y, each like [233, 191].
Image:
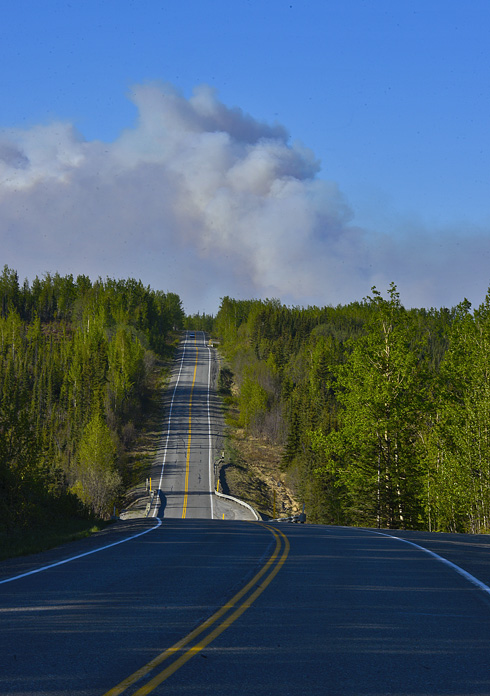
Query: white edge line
[135, 536]
[102, 548]
[169, 420]
[81, 555]
[471, 578]
[210, 467]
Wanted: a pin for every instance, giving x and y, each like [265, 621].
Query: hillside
[375, 415]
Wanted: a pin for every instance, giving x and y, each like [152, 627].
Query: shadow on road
[163, 504]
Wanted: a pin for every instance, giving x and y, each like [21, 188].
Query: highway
[184, 474]
[188, 603]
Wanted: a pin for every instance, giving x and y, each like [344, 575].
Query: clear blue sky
[392, 97]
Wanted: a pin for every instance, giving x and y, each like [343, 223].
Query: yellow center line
[274, 564]
[188, 457]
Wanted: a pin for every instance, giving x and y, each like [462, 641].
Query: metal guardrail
[300, 519]
[240, 502]
[153, 497]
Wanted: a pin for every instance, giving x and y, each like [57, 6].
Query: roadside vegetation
[368, 414]
[251, 465]
[78, 364]
[381, 413]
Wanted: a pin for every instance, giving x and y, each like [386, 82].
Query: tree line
[75, 360]
[383, 413]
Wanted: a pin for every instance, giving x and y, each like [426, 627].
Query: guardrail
[153, 497]
[240, 502]
[300, 519]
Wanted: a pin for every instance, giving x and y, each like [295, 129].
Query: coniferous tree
[375, 452]
[461, 479]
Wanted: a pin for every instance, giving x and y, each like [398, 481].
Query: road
[189, 603]
[335, 611]
[184, 474]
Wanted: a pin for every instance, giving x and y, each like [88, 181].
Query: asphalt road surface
[189, 603]
[185, 473]
[215, 607]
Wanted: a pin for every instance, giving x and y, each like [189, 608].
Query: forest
[75, 360]
[382, 412]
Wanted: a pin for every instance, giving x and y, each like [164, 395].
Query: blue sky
[375, 114]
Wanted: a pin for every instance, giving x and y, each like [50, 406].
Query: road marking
[188, 457]
[471, 578]
[210, 458]
[169, 421]
[81, 555]
[226, 615]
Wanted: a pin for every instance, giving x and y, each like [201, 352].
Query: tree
[9, 291]
[126, 367]
[73, 363]
[97, 482]
[253, 402]
[461, 479]
[381, 386]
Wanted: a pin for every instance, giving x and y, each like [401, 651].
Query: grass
[141, 454]
[41, 537]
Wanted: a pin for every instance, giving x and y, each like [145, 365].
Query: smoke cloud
[203, 200]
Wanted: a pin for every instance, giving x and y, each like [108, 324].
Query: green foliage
[126, 369]
[382, 412]
[460, 466]
[74, 361]
[370, 403]
[225, 381]
[200, 322]
[97, 483]
[253, 401]
[381, 387]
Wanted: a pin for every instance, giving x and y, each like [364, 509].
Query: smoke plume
[204, 200]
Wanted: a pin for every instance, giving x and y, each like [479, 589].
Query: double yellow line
[188, 456]
[182, 651]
